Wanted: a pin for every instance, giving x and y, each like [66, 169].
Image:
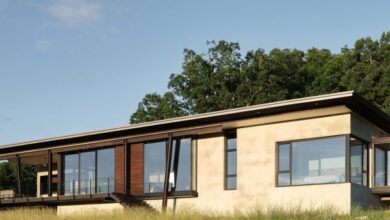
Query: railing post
[73, 188]
[90, 186]
[50, 172]
[18, 176]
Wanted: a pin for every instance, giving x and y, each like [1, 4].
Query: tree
[222, 79]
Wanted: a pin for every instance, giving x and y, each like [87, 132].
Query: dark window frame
[277, 172]
[385, 150]
[365, 169]
[193, 171]
[78, 152]
[231, 134]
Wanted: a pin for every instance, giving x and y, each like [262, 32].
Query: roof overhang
[349, 99]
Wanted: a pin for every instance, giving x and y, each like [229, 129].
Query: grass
[143, 214]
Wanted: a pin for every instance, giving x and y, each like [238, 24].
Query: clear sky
[68, 66]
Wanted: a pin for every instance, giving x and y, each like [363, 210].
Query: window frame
[277, 172]
[365, 170]
[193, 162]
[78, 152]
[230, 134]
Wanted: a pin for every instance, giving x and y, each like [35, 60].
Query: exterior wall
[136, 168]
[256, 167]
[119, 169]
[362, 196]
[95, 209]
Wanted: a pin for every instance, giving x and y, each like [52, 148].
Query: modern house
[328, 150]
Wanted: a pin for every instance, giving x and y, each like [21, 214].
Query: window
[231, 161]
[312, 161]
[380, 167]
[71, 174]
[359, 165]
[105, 170]
[89, 172]
[181, 170]
[154, 166]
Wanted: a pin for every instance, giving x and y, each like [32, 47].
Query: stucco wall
[87, 209]
[361, 128]
[256, 157]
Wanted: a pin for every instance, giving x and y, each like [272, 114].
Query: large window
[359, 162]
[312, 161]
[231, 161]
[105, 170]
[154, 166]
[181, 171]
[89, 172]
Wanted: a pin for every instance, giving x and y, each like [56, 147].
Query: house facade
[322, 151]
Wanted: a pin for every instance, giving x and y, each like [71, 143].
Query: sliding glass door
[89, 172]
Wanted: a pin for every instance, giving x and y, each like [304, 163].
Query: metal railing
[89, 186]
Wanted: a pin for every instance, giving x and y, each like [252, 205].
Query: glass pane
[183, 181]
[318, 161]
[379, 167]
[284, 179]
[231, 183]
[284, 157]
[356, 164]
[154, 166]
[231, 162]
[231, 143]
[388, 169]
[105, 170]
[71, 174]
[87, 172]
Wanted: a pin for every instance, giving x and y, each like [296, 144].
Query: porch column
[167, 171]
[18, 177]
[126, 167]
[50, 172]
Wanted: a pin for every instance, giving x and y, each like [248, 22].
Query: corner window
[314, 161]
[359, 165]
[231, 161]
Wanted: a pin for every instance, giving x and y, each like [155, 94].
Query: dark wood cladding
[119, 169]
[136, 168]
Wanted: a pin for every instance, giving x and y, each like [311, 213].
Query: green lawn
[135, 214]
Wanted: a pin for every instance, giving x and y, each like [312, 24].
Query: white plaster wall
[256, 156]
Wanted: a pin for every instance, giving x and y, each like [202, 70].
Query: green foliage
[8, 175]
[222, 79]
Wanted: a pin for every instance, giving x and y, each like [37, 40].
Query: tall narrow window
[154, 166]
[231, 161]
[284, 177]
[359, 158]
[181, 170]
[380, 167]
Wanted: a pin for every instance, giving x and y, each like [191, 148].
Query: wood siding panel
[119, 169]
[136, 168]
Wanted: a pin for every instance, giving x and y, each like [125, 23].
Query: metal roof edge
[277, 104]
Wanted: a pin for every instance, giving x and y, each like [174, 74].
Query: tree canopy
[223, 78]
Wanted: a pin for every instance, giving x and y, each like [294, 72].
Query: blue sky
[68, 66]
